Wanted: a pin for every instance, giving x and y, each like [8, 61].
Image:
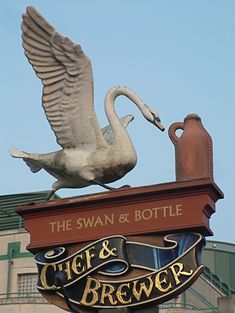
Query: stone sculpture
[89, 155]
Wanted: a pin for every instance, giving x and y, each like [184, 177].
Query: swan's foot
[102, 185]
[50, 194]
[108, 187]
[124, 186]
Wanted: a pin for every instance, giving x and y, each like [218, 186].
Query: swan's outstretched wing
[67, 79]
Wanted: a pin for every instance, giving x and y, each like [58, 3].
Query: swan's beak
[156, 119]
[157, 122]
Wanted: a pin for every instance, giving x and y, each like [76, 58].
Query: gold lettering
[95, 221]
[177, 271]
[179, 209]
[137, 215]
[79, 223]
[43, 278]
[98, 222]
[171, 211]
[105, 252]
[91, 290]
[59, 226]
[77, 267]
[156, 212]
[109, 219]
[164, 210]
[142, 288]
[68, 225]
[159, 212]
[107, 291]
[160, 282]
[89, 256]
[88, 222]
[121, 293]
[52, 224]
[147, 214]
[67, 269]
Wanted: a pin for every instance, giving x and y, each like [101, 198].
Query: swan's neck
[117, 128]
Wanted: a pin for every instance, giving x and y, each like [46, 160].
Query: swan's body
[89, 155]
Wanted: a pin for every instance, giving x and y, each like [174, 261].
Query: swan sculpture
[89, 155]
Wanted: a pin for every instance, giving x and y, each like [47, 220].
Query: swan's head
[153, 117]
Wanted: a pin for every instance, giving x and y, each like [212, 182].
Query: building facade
[18, 272]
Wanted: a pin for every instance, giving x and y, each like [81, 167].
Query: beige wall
[3, 274]
[226, 304]
[13, 236]
[206, 290]
[19, 266]
[29, 308]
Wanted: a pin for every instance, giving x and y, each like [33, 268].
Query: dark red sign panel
[167, 207]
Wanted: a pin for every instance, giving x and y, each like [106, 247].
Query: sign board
[116, 272]
[127, 248]
[164, 208]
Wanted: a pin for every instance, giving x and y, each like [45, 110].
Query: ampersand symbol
[105, 252]
[123, 218]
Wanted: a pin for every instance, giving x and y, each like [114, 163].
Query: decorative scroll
[171, 269]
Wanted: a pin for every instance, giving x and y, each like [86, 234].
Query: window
[27, 284]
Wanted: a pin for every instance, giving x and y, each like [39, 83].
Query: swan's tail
[34, 165]
[16, 153]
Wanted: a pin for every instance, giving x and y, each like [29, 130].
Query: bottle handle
[172, 129]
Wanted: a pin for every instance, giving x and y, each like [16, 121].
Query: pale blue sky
[178, 56]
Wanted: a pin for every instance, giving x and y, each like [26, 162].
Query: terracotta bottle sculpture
[193, 149]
